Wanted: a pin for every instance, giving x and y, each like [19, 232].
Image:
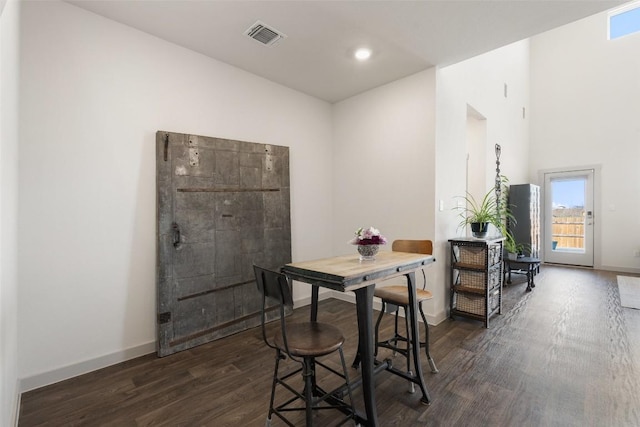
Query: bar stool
[397, 296]
[303, 343]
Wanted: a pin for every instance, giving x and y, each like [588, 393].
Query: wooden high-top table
[349, 273]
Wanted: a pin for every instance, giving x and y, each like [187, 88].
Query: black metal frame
[532, 267]
[363, 285]
[456, 267]
[275, 286]
[392, 343]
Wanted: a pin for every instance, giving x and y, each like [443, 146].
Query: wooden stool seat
[397, 294]
[311, 339]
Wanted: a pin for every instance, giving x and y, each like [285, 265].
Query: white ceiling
[316, 57]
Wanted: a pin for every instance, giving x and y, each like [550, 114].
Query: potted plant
[480, 214]
[512, 247]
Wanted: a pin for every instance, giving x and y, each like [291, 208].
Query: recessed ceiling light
[362, 54]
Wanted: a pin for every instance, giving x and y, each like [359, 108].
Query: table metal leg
[315, 290]
[356, 360]
[364, 309]
[415, 338]
[530, 273]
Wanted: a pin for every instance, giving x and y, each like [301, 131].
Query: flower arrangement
[368, 236]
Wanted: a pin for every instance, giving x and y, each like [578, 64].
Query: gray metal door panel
[222, 205]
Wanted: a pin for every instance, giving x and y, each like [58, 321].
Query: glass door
[569, 217]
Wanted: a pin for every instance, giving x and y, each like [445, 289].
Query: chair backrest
[274, 286]
[413, 246]
[416, 247]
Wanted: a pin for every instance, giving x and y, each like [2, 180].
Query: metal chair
[303, 343]
[397, 296]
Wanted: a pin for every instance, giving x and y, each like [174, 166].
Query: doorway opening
[569, 217]
[476, 137]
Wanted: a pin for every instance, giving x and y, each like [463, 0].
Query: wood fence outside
[568, 227]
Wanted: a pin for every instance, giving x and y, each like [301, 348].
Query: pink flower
[369, 236]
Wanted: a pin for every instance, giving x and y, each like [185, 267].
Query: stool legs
[397, 337]
[314, 397]
[346, 378]
[308, 390]
[273, 388]
[432, 363]
[412, 386]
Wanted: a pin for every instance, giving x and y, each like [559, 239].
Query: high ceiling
[316, 57]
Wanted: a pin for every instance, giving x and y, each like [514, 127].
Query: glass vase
[368, 252]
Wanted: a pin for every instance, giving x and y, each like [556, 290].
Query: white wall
[9, 77]
[93, 94]
[585, 110]
[383, 159]
[479, 83]
[476, 146]
[401, 148]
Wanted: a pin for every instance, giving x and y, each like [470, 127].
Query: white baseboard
[377, 305]
[307, 300]
[70, 371]
[50, 377]
[16, 409]
[620, 269]
[342, 296]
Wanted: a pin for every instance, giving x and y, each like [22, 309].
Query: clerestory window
[624, 21]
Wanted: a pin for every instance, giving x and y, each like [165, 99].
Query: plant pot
[479, 229]
[554, 245]
[512, 256]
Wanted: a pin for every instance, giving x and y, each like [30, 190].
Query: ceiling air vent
[264, 34]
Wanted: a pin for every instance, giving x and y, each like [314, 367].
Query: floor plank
[566, 354]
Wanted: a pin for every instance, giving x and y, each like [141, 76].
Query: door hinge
[164, 317]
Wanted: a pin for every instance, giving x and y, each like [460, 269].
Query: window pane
[624, 23]
[568, 196]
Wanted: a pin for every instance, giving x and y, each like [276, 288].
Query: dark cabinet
[524, 203]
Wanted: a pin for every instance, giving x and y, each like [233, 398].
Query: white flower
[365, 236]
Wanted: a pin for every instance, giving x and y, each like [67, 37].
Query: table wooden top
[346, 273]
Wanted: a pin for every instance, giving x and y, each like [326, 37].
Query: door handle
[176, 235]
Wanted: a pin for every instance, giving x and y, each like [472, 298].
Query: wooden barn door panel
[222, 206]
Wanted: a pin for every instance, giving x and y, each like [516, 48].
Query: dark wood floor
[566, 354]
